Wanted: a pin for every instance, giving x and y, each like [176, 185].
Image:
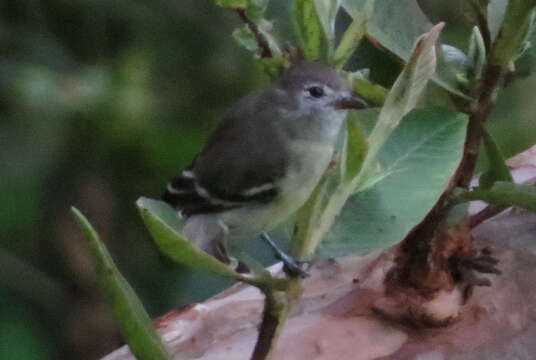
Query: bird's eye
[316, 91]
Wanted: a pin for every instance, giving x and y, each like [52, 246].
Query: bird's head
[317, 88]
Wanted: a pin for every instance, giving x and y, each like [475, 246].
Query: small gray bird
[264, 160]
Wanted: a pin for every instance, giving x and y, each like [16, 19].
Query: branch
[417, 244]
[502, 193]
[504, 49]
[487, 213]
[493, 210]
[263, 43]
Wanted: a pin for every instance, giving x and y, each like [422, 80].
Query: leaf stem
[502, 193]
[486, 213]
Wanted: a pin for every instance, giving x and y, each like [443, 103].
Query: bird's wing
[241, 163]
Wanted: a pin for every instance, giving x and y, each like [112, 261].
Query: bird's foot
[291, 266]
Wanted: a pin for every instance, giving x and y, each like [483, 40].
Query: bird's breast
[308, 162]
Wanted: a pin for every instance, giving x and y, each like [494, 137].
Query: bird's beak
[351, 102]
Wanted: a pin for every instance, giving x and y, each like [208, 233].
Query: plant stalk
[277, 306]
[272, 319]
[416, 246]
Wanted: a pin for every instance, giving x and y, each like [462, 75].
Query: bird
[262, 162]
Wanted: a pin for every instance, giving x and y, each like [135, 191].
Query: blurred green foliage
[102, 102]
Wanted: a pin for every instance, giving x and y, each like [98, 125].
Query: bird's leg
[291, 265]
[220, 248]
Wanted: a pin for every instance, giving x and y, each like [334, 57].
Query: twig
[263, 43]
[484, 214]
[493, 209]
[492, 78]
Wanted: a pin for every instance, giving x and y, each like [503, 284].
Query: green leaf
[356, 8]
[452, 65]
[256, 9]
[349, 41]
[274, 65]
[256, 36]
[245, 38]
[165, 227]
[527, 42]
[512, 32]
[374, 94]
[498, 171]
[405, 92]
[308, 28]
[496, 11]
[356, 147]
[396, 25]
[266, 27]
[503, 193]
[361, 12]
[133, 320]
[327, 11]
[162, 222]
[241, 4]
[476, 54]
[416, 164]
[307, 217]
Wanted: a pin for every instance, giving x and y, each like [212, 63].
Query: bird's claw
[291, 266]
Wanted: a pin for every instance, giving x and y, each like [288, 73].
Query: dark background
[101, 102]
